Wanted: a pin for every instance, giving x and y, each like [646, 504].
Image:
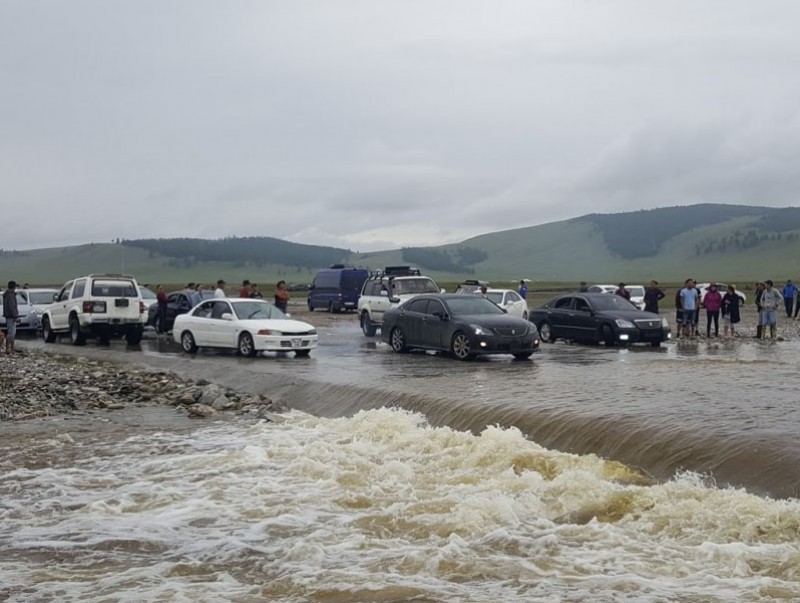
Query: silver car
[38, 299]
[25, 322]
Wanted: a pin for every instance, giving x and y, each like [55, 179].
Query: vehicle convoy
[464, 325]
[388, 288]
[598, 317]
[336, 288]
[249, 326]
[96, 305]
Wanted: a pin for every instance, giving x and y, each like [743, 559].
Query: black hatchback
[464, 325]
[598, 317]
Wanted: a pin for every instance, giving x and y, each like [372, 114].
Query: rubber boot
[759, 331]
[773, 331]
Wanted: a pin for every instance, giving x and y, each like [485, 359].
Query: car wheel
[75, 334]
[607, 335]
[461, 347]
[546, 332]
[47, 333]
[655, 344]
[366, 325]
[187, 343]
[397, 339]
[302, 353]
[246, 346]
[310, 306]
[134, 336]
[523, 355]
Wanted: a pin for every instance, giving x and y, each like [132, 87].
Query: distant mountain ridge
[730, 243]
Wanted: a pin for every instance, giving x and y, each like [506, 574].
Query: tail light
[96, 307]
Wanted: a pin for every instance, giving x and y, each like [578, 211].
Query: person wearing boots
[760, 286]
[771, 301]
[11, 314]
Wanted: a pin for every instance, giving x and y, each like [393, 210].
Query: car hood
[494, 320]
[631, 315]
[282, 325]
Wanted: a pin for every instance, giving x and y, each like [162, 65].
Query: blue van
[336, 288]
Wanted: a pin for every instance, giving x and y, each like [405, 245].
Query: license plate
[296, 343]
[121, 303]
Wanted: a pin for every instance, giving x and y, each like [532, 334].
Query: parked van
[336, 288]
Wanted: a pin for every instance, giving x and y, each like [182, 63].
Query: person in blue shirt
[789, 291]
[523, 289]
[689, 300]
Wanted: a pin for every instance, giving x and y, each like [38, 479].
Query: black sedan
[465, 325]
[598, 317]
[177, 303]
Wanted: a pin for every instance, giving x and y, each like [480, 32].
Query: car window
[112, 288]
[612, 302]
[80, 287]
[461, 306]
[581, 305]
[436, 307]
[41, 297]
[204, 310]
[563, 303]
[495, 296]
[512, 297]
[220, 308]
[64, 295]
[413, 285]
[257, 310]
[417, 305]
[184, 301]
[173, 298]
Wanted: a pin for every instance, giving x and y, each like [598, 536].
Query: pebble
[35, 384]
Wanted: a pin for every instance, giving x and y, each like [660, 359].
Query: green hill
[722, 242]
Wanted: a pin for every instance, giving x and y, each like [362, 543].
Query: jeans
[712, 315]
[11, 328]
[788, 303]
[769, 317]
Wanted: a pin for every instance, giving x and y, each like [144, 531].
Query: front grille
[287, 343]
[648, 324]
[512, 332]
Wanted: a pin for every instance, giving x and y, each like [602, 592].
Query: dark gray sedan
[464, 325]
[598, 317]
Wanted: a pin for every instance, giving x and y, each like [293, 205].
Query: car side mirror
[227, 316]
[287, 315]
[55, 296]
[384, 293]
[442, 290]
[441, 316]
[395, 300]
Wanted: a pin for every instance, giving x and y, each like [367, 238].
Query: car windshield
[146, 293]
[413, 285]
[612, 302]
[636, 291]
[470, 306]
[42, 297]
[256, 310]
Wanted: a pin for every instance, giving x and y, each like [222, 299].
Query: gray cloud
[369, 125]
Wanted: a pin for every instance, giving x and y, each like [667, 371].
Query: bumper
[98, 320]
[492, 344]
[643, 335]
[285, 343]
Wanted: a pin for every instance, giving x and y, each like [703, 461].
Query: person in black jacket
[651, 296]
[11, 314]
[730, 311]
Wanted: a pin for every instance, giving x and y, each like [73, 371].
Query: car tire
[246, 346]
[397, 339]
[48, 334]
[367, 327]
[188, 344]
[607, 336]
[134, 336]
[302, 353]
[461, 347]
[523, 355]
[310, 306]
[655, 344]
[546, 332]
[76, 335]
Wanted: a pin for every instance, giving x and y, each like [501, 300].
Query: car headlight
[664, 323]
[624, 324]
[312, 332]
[479, 330]
[270, 332]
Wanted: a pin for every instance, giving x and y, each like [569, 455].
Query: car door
[514, 304]
[584, 321]
[222, 332]
[59, 312]
[200, 324]
[560, 315]
[413, 321]
[435, 325]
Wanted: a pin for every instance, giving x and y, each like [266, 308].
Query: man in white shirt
[220, 290]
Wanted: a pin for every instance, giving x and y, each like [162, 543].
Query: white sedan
[510, 301]
[247, 325]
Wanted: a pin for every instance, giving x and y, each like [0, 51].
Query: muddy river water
[584, 474]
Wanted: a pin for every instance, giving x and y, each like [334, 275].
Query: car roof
[500, 291]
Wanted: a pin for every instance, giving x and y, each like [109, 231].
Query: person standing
[651, 296]
[770, 302]
[245, 290]
[254, 291]
[730, 311]
[789, 291]
[161, 300]
[583, 287]
[760, 286]
[11, 314]
[282, 297]
[197, 297]
[523, 289]
[623, 292]
[712, 301]
[689, 300]
[219, 292]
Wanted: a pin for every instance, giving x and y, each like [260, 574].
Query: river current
[585, 474]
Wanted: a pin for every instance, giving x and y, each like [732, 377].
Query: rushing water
[448, 495]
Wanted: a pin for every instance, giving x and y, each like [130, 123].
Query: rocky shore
[34, 384]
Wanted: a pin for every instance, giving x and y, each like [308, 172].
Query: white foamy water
[376, 507]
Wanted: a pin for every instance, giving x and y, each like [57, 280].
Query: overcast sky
[377, 124]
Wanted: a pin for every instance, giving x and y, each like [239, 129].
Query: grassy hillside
[709, 242]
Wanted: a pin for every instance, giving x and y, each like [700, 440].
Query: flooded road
[419, 478]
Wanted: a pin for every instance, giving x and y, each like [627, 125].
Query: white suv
[97, 305]
[387, 289]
